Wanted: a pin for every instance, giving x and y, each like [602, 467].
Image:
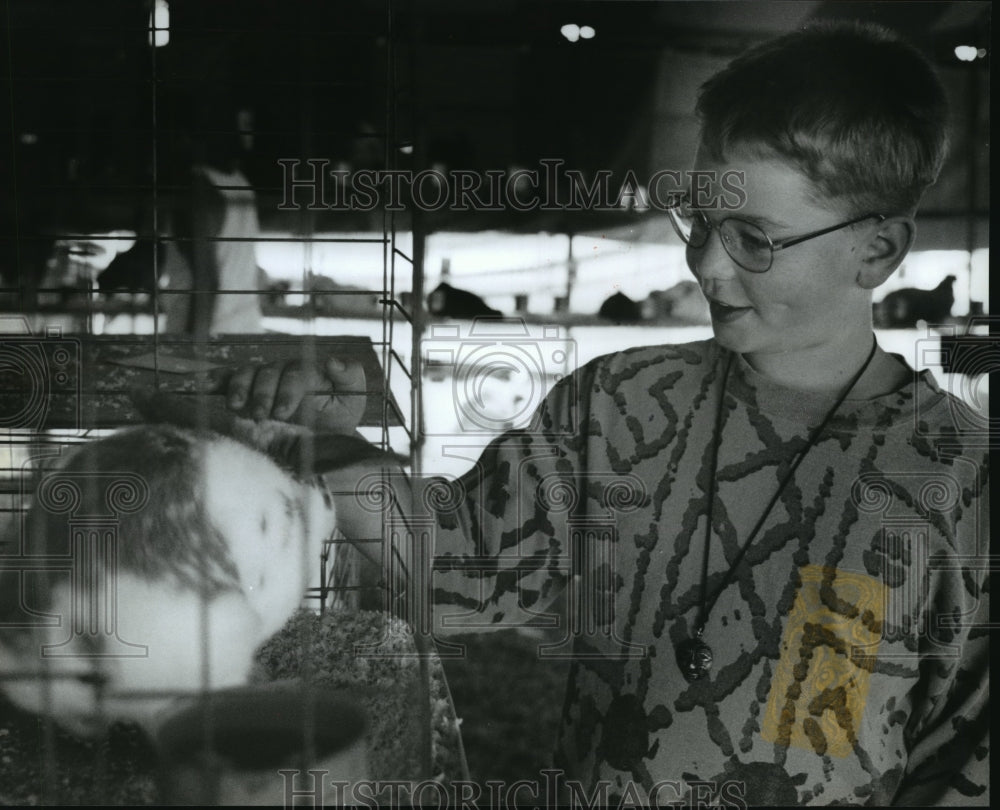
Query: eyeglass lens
[745, 243]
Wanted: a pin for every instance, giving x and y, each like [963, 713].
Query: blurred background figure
[215, 225]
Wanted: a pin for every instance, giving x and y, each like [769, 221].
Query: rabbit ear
[304, 453]
[307, 454]
[332, 451]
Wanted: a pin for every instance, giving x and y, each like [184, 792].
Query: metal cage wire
[29, 452]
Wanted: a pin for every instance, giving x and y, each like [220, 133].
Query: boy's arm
[463, 573]
[949, 745]
[502, 532]
[488, 549]
[949, 762]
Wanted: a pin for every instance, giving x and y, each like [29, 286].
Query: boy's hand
[329, 398]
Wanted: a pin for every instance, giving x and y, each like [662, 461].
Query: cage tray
[79, 382]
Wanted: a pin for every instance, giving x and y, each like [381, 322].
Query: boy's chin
[735, 340]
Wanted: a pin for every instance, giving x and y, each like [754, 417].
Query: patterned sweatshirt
[851, 659]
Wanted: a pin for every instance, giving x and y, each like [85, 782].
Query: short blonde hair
[852, 106]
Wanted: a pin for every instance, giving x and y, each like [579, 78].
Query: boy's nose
[710, 261]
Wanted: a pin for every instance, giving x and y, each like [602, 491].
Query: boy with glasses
[773, 543]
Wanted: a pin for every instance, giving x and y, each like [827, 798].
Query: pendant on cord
[694, 657]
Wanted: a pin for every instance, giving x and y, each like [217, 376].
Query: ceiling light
[966, 53]
[159, 24]
[586, 32]
[571, 32]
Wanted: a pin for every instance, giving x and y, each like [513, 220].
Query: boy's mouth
[724, 313]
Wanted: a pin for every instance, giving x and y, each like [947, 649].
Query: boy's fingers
[281, 391]
[265, 385]
[293, 387]
[239, 386]
[346, 375]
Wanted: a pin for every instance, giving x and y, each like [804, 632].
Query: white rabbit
[212, 564]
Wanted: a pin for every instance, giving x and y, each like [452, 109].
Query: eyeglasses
[746, 243]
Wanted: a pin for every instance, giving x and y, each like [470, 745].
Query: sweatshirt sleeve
[501, 544]
[948, 738]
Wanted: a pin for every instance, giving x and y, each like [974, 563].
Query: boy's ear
[885, 251]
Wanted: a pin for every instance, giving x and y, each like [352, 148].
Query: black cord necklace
[694, 656]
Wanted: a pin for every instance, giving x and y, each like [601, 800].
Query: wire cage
[105, 292]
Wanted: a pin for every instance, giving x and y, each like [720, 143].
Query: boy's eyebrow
[757, 219]
[763, 221]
